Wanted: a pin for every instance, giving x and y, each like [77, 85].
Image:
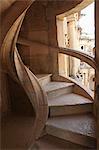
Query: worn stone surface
[70, 109]
[52, 143]
[79, 129]
[56, 85]
[69, 104]
[44, 78]
[69, 99]
[55, 89]
[81, 124]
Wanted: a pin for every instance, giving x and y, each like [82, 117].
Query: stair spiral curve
[12, 63]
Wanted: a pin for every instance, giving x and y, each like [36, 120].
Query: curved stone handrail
[14, 66]
[71, 52]
[35, 93]
[80, 55]
[14, 11]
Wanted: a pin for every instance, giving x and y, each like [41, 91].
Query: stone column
[73, 43]
[52, 41]
[61, 31]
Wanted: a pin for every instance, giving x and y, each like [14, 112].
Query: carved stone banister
[36, 95]
[80, 55]
[12, 63]
[15, 11]
[71, 52]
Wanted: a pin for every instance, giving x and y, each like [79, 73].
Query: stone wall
[40, 26]
[35, 28]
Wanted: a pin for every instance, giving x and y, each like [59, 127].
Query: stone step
[69, 104]
[44, 78]
[55, 89]
[79, 129]
[49, 142]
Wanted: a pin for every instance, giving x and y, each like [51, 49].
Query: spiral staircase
[56, 109]
[70, 114]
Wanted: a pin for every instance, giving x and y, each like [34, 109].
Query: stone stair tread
[41, 76]
[49, 142]
[83, 124]
[68, 99]
[51, 86]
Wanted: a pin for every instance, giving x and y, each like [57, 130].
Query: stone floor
[52, 143]
[16, 132]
